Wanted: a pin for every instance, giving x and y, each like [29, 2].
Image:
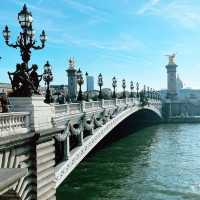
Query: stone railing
[61, 108]
[130, 101]
[46, 116]
[74, 108]
[93, 105]
[14, 123]
[109, 103]
[121, 101]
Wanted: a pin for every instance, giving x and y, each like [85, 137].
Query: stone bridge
[41, 144]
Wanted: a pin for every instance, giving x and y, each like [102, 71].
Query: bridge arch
[141, 118]
[66, 167]
[148, 113]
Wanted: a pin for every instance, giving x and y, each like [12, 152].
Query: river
[161, 162]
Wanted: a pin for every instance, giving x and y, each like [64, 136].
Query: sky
[123, 38]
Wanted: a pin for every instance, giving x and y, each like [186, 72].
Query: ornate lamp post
[151, 93]
[25, 41]
[114, 84]
[100, 84]
[144, 91]
[148, 92]
[47, 77]
[137, 89]
[124, 88]
[80, 82]
[87, 92]
[132, 88]
[158, 96]
[154, 94]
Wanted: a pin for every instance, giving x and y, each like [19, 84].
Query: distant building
[5, 88]
[90, 83]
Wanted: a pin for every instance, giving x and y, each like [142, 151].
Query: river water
[161, 162]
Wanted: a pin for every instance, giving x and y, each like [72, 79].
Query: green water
[157, 163]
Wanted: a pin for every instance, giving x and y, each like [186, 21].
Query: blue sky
[123, 38]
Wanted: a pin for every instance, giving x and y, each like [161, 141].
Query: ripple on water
[157, 163]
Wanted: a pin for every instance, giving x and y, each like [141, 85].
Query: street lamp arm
[12, 45]
[38, 47]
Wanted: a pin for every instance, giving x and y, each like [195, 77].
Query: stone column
[116, 102]
[83, 106]
[66, 148]
[72, 80]
[45, 168]
[171, 80]
[80, 138]
[126, 101]
[102, 103]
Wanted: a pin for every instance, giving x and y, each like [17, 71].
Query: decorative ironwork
[114, 84]
[48, 77]
[25, 41]
[132, 89]
[100, 84]
[25, 80]
[124, 88]
[137, 89]
[80, 82]
[87, 92]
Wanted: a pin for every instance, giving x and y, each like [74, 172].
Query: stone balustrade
[130, 100]
[92, 105]
[74, 108]
[109, 103]
[20, 122]
[61, 108]
[121, 101]
[14, 123]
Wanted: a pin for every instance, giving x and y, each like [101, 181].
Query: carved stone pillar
[115, 101]
[102, 103]
[80, 138]
[66, 148]
[63, 138]
[83, 106]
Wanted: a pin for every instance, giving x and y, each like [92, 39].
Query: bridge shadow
[135, 122]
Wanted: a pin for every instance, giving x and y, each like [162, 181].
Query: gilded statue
[171, 59]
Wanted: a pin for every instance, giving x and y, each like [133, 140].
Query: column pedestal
[41, 113]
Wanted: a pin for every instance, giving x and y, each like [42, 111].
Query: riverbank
[189, 119]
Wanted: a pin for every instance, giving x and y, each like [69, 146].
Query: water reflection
[159, 162]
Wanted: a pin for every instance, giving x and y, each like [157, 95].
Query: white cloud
[148, 6]
[96, 15]
[181, 12]
[123, 43]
